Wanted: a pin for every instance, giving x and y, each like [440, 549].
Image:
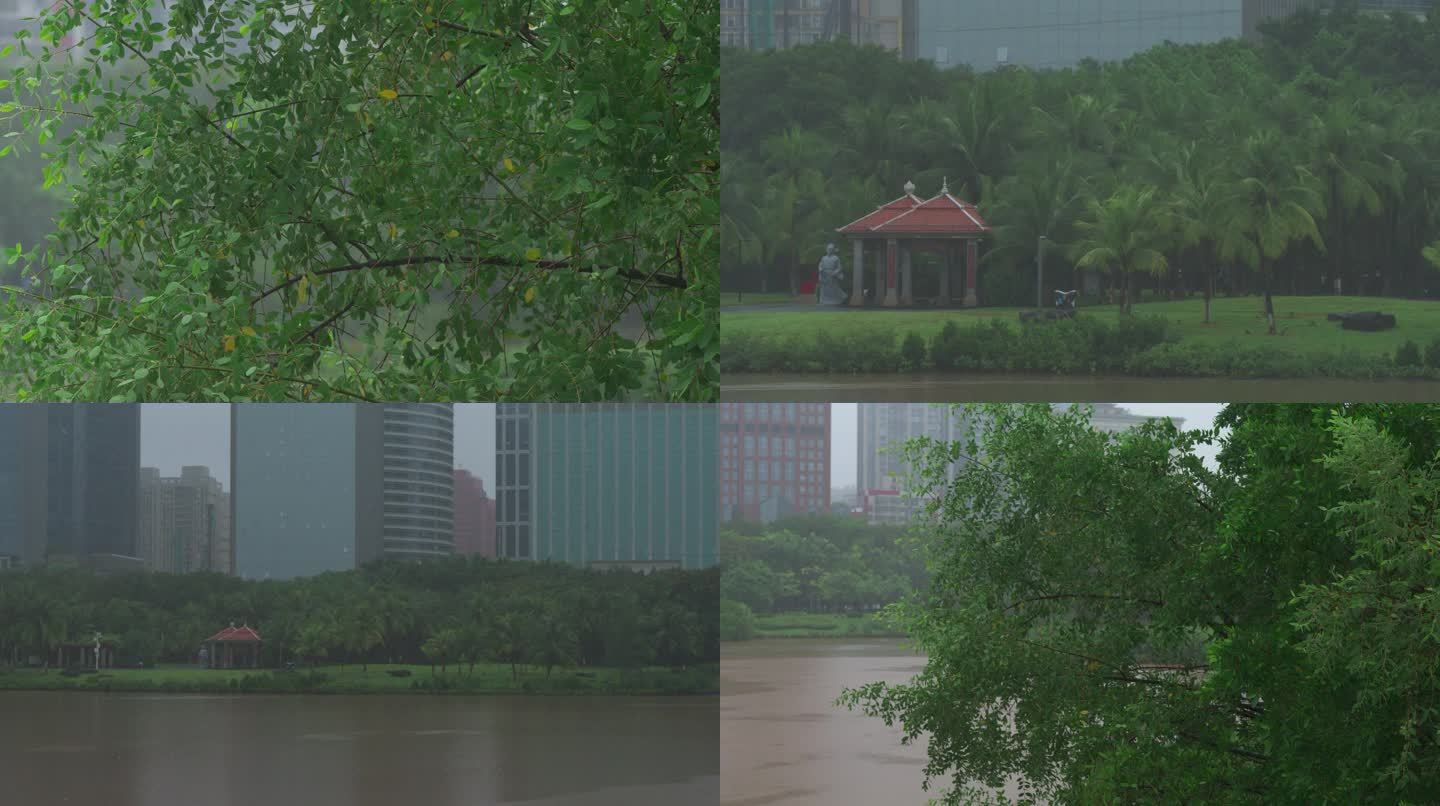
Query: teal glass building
[986, 34]
[307, 483]
[597, 484]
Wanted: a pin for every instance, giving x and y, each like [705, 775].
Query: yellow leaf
[141, 222]
[389, 95]
[307, 390]
[247, 330]
[529, 295]
[303, 289]
[454, 233]
[445, 57]
[510, 165]
[368, 121]
[392, 230]
[229, 344]
[532, 254]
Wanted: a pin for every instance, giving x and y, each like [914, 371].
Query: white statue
[828, 290]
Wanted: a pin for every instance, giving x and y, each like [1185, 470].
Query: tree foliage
[382, 201]
[442, 612]
[1113, 620]
[817, 563]
[1331, 125]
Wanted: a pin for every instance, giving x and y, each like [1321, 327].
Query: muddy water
[157, 750]
[783, 741]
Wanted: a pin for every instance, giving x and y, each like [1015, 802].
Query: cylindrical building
[419, 480]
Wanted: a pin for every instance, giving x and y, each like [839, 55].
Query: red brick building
[474, 516]
[774, 460]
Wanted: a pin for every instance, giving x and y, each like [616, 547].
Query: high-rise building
[23, 482]
[474, 516]
[598, 484]
[882, 430]
[781, 24]
[774, 460]
[419, 480]
[93, 482]
[307, 488]
[184, 522]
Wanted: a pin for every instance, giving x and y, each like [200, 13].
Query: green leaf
[578, 124]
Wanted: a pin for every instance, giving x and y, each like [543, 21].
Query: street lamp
[1040, 271]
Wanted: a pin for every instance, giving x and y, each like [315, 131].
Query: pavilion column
[879, 275]
[892, 271]
[857, 275]
[907, 295]
[971, 271]
[947, 262]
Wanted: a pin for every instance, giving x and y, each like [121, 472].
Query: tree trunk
[1209, 292]
[1125, 284]
[1269, 306]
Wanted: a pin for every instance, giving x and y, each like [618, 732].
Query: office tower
[474, 516]
[607, 484]
[93, 483]
[23, 482]
[883, 429]
[774, 460]
[184, 522]
[419, 480]
[781, 24]
[307, 488]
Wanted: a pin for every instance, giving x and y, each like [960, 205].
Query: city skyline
[174, 435]
[844, 430]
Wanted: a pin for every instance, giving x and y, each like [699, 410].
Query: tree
[1123, 234]
[1281, 203]
[1205, 211]
[395, 202]
[1235, 633]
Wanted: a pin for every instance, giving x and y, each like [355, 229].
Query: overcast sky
[177, 434]
[844, 438]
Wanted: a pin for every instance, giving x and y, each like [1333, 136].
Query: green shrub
[947, 347]
[912, 351]
[737, 622]
[1407, 355]
[1432, 355]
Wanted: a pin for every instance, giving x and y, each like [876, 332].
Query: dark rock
[398, 672]
[1369, 321]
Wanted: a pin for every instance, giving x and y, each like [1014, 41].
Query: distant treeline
[818, 563]
[461, 610]
[1289, 167]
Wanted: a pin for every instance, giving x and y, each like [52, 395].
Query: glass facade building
[93, 484]
[1061, 33]
[607, 483]
[23, 482]
[419, 480]
[307, 488]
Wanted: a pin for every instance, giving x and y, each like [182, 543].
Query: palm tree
[1024, 208]
[1123, 234]
[1204, 212]
[1354, 171]
[1279, 201]
[795, 160]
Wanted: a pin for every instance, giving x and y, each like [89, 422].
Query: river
[319, 750]
[787, 744]
[933, 387]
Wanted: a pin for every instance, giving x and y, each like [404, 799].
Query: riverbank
[822, 625]
[1161, 339]
[486, 678]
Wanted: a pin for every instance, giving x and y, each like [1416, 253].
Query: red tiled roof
[908, 215]
[235, 634]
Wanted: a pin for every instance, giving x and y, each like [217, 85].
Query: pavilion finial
[909, 188]
[945, 186]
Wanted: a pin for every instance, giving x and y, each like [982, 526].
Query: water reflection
[363, 751]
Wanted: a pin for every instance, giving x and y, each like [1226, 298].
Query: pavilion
[234, 647]
[96, 654]
[942, 224]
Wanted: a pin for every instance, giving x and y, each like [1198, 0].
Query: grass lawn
[487, 678]
[819, 625]
[1235, 320]
[729, 298]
